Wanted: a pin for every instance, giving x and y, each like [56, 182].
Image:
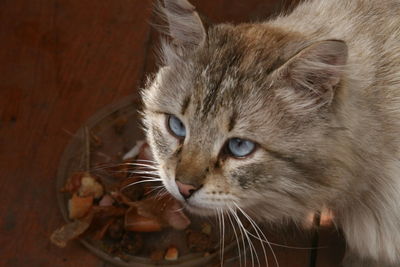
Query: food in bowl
[132, 214]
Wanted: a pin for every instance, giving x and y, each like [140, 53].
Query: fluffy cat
[286, 116]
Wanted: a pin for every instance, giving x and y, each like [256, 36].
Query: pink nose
[186, 190]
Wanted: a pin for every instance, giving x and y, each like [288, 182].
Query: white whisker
[144, 172]
[155, 188]
[217, 215]
[139, 182]
[149, 178]
[242, 236]
[220, 236]
[179, 210]
[161, 193]
[256, 229]
[145, 160]
[236, 237]
[139, 165]
[245, 232]
[223, 236]
[115, 165]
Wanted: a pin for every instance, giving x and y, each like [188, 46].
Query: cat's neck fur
[367, 149]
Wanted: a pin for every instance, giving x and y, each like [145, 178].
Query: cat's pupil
[240, 147]
[176, 126]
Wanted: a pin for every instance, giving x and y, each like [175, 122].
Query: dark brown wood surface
[60, 62]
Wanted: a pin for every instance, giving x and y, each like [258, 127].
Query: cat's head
[238, 116]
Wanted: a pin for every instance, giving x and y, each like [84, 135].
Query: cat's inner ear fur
[311, 76]
[184, 24]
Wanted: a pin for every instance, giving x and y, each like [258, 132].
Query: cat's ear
[312, 75]
[184, 24]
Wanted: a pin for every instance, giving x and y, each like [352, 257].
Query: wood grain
[60, 62]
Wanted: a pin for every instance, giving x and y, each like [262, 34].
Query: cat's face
[228, 118]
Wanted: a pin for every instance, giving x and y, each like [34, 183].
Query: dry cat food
[130, 215]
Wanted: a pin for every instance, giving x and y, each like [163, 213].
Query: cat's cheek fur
[168, 179]
[163, 146]
[161, 142]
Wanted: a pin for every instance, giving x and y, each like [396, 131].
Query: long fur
[325, 116]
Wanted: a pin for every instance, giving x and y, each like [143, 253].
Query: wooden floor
[60, 62]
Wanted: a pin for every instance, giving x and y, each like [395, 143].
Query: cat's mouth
[192, 204]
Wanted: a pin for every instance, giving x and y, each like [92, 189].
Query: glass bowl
[112, 132]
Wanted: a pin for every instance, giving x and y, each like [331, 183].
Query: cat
[283, 117]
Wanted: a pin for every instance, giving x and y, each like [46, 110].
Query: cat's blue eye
[240, 147]
[176, 126]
